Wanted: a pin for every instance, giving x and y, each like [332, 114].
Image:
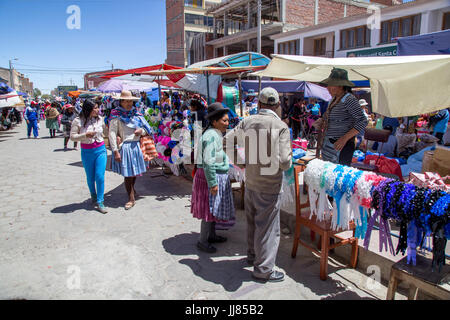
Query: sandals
[129, 205]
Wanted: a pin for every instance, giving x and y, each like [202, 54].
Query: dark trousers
[346, 154]
[296, 129]
[440, 136]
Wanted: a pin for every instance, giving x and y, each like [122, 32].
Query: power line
[57, 68]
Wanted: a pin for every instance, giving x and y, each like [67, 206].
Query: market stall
[400, 86]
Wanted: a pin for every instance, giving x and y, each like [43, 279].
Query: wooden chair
[323, 228]
[420, 276]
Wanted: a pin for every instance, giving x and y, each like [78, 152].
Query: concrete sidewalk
[53, 245]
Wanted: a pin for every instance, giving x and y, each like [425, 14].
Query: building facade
[20, 82]
[186, 20]
[372, 33]
[248, 25]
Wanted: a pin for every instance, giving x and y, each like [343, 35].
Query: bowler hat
[338, 77]
[216, 108]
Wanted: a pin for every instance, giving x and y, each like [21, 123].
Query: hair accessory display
[366, 198]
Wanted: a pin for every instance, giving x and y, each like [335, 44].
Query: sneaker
[275, 276]
[100, 207]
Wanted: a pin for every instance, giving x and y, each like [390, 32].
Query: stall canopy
[200, 78]
[243, 59]
[400, 86]
[109, 75]
[431, 43]
[114, 85]
[11, 99]
[310, 90]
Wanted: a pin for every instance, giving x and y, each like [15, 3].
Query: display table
[420, 277]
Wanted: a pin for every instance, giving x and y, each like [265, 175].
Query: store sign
[377, 52]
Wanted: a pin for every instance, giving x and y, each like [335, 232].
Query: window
[193, 19]
[385, 35]
[446, 21]
[320, 46]
[289, 47]
[406, 27]
[355, 37]
[208, 21]
[402, 27]
[360, 33]
[193, 3]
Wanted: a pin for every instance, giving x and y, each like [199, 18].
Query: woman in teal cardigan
[212, 198]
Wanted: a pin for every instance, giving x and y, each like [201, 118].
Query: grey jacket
[268, 150]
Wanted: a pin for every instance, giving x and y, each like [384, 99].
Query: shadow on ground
[71, 208]
[229, 273]
[305, 269]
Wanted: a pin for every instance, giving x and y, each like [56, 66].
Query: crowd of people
[339, 128]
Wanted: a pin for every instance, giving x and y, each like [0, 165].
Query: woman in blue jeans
[89, 128]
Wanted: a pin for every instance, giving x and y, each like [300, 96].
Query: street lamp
[11, 77]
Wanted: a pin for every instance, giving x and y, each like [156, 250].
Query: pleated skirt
[52, 124]
[204, 206]
[132, 163]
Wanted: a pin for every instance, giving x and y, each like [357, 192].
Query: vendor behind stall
[440, 122]
[342, 121]
[389, 148]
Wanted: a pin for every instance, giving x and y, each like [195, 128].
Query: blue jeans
[32, 124]
[94, 163]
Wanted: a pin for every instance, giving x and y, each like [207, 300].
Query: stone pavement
[53, 245]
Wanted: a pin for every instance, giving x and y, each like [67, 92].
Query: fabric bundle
[365, 198]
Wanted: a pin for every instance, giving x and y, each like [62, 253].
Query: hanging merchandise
[366, 198]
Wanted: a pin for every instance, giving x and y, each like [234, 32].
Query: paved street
[50, 237]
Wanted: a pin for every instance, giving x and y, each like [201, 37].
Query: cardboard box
[441, 161]
[427, 161]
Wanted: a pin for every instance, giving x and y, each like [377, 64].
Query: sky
[127, 33]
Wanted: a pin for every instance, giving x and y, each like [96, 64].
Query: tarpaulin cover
[120, 85]
[431, 43]
[310, 90]
[400, 86]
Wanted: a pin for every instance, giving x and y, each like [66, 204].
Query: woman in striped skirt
[212, 198]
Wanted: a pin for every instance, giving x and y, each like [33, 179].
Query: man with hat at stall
[268, 153]
[32, 117]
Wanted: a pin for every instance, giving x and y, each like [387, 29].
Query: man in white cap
[268, 135]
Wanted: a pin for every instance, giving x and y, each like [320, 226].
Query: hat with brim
[338, 78]
[126, 95]
[215, 109]
[363, 103]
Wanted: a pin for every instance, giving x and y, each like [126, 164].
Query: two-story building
[251, 25]
[373, 33]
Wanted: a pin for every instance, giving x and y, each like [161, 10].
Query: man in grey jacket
[268, 153]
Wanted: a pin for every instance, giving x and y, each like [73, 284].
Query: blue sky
[128, 33]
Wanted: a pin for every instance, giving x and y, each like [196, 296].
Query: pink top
[94, 145]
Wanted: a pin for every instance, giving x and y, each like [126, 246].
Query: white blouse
[78, 130]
